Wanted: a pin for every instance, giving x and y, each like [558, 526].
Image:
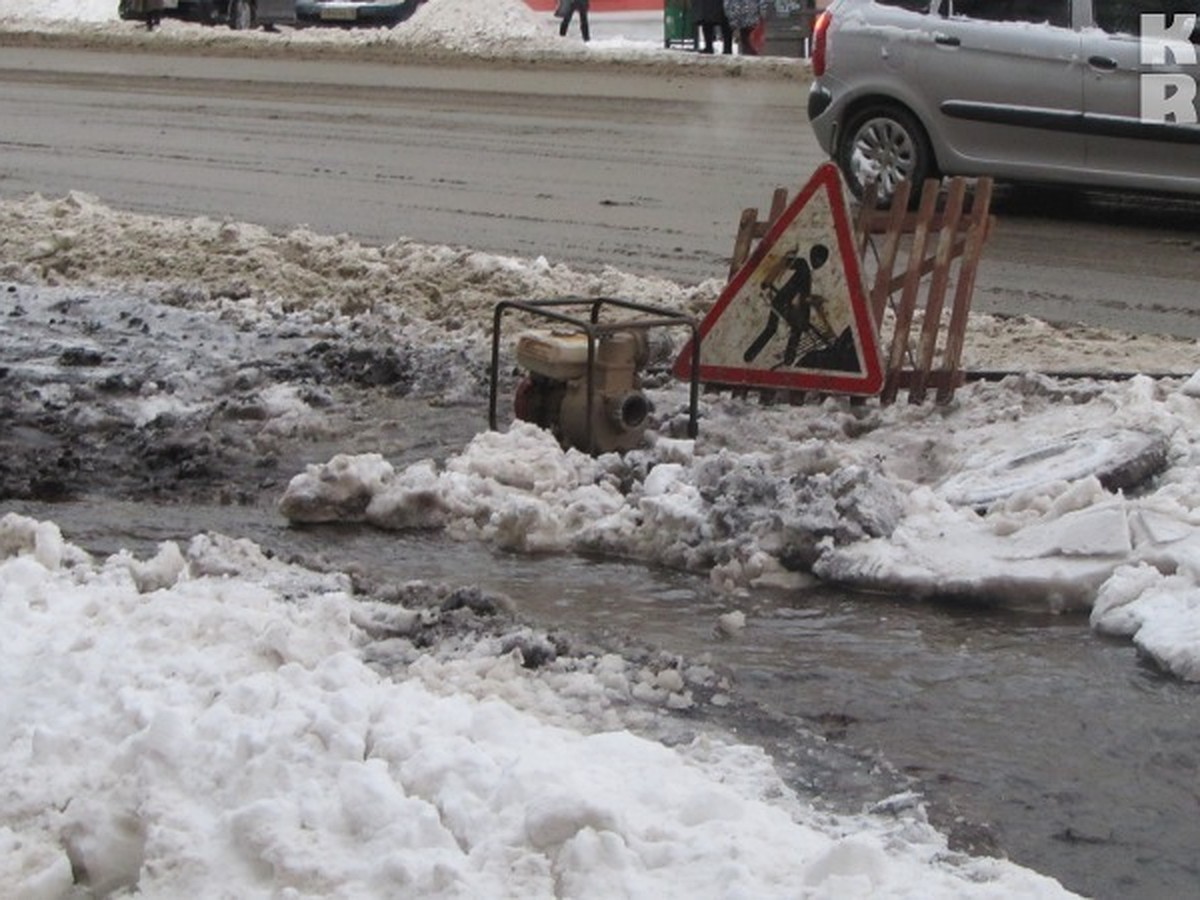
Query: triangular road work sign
[795, 316]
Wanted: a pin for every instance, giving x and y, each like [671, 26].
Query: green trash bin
[678, 28]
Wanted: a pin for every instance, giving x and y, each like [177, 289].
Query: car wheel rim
[884, 152]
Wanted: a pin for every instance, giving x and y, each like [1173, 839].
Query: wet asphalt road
[645, 169]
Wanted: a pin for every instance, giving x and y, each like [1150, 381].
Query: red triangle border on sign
[869, 381]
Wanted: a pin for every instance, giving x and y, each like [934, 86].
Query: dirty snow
[210, 722]
[860, 495]
[765, 495]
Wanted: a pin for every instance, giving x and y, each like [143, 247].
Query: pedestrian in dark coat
[709, 15]
[568, 8]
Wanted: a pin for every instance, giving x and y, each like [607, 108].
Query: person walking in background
[744, 16]
[710, 16]
[566, 9]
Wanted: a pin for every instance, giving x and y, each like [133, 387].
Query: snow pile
[860, 495]
[208, 263]
[522, 492]
[1161, 612]
[833, 491]
[208, 727]
[71, 12]
[250, 274]
[473, 28]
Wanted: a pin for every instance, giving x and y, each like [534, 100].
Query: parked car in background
[355, 12]
[244, 14]
[237, 14]
[1044, 91]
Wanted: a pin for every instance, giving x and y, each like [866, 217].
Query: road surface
[644, 169]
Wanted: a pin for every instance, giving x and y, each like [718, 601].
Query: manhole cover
[1120, 459]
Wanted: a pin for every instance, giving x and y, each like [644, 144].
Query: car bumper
[354, 13]
[821, 117]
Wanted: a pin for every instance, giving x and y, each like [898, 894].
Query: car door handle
[1107, 63]
[946, 40]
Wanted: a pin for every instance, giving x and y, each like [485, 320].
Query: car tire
[241, 15]
[885, 143]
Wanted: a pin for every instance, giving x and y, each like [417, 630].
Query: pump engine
[554, 392]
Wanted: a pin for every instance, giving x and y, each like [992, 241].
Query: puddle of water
[1030, 735]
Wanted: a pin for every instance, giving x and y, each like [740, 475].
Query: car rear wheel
[885, 144]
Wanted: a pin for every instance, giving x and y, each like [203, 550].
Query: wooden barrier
[950, 225]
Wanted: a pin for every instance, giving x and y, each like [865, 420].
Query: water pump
[582, 374]
[554, 391]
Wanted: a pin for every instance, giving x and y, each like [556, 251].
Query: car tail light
[820, 42]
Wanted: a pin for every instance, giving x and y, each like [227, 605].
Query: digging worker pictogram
[793, 302]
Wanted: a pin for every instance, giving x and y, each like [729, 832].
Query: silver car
[1098, 93]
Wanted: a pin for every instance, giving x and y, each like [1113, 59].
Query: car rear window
[1056, 12]
[1125, 16]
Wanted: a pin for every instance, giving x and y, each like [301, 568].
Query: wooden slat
[891, 249]
[938, 285]
[866, 215]
[880, 220]
[779, 202]
[977, 232]
[750, 229]
[908, 299]
[927, 265]
[741, 243]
